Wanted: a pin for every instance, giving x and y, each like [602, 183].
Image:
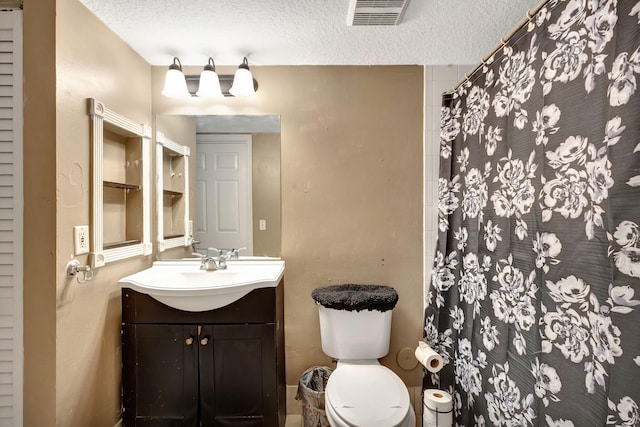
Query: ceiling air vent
[376, 12]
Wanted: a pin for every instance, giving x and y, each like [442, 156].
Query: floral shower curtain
[535, 296]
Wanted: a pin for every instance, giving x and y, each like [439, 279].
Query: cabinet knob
[189, 341]
[204, 341]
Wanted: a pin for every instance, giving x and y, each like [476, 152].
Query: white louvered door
[11, 223]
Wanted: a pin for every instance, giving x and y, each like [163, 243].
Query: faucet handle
[234, 253]
[195, 243]
[218, 252]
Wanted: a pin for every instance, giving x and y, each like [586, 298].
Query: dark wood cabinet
[160, 375]
[223, 367]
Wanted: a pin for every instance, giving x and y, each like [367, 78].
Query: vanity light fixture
[209, 86]
[175, 85]
[243, 81]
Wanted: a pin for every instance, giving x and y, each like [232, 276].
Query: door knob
[204, 341]
[189, 341]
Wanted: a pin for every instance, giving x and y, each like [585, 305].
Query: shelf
[172, 236]
[172, 189]
[121, 185]
[120, 244]
[120, 220]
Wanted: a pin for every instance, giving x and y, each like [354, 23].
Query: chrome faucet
[194, 244]
[234, 253]
[211, 263]
[230, 254]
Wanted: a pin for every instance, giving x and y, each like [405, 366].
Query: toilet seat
[363, 395]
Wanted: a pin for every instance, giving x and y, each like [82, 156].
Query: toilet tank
[352, 335]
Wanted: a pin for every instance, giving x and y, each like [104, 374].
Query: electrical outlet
[81, 239]
[262, 224]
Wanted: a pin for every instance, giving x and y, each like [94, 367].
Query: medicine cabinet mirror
[120, 217]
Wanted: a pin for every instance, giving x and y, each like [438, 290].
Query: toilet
[355, 328]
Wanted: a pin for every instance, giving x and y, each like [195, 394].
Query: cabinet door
[160, 378]
[238, 376]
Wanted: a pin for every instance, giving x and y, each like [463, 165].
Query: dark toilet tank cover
[356, 297]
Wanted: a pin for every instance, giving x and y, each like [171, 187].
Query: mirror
[231, 211]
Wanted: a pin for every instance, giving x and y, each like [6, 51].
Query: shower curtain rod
[503, 41]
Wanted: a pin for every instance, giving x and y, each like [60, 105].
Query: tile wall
[437, 80]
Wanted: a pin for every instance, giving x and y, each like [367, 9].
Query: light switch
[263, 224]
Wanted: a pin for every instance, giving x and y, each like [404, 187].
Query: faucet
[194, 244]
[233, 253]
[230, 254]
[210, 263]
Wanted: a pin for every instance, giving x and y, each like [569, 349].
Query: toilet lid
[367, 395]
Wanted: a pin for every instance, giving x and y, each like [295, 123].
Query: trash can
[311, 396]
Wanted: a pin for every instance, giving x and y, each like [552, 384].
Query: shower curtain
[534, 302]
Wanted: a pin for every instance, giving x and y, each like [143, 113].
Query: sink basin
[181, 284]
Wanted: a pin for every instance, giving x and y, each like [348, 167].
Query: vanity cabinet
[223, 367]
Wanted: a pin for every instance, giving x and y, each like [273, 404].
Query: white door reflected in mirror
[223, 192]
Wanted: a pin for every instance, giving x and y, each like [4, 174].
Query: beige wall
[351, 188]
[39, 213]
[90, 62]
[265, 161]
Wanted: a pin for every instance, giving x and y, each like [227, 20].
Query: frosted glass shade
[209, 86]
[242, 83]
[175, 85]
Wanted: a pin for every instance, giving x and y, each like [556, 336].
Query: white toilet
[361, 392]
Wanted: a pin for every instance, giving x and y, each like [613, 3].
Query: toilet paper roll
[437, 409]
[428, 357]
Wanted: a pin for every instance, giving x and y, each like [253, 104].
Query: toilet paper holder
[428, 357]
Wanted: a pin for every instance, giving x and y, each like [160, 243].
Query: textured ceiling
[308, 32]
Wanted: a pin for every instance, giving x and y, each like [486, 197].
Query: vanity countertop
[181, 284]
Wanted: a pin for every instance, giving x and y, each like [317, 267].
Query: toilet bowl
[365, 393]
[355, 328]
